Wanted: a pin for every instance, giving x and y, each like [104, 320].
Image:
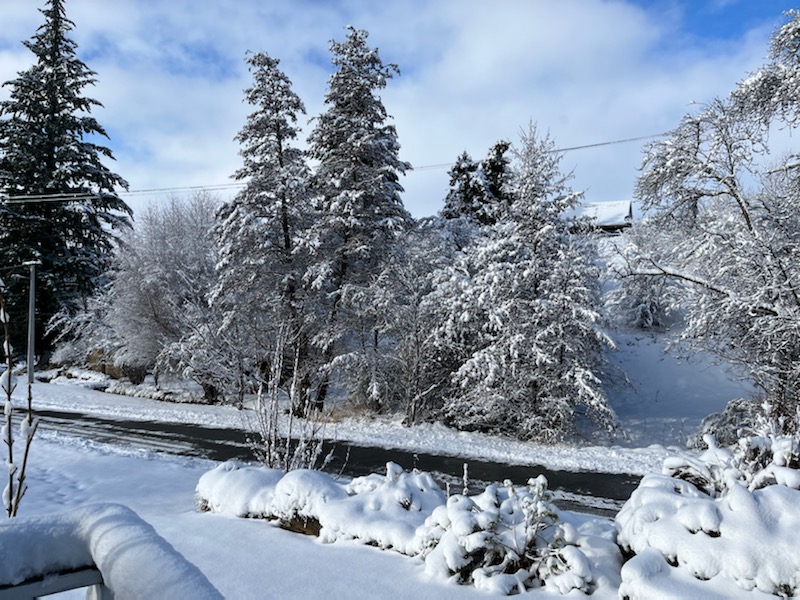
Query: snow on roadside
[424, 438]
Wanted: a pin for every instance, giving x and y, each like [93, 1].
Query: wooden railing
[52, 583]
[106, 548]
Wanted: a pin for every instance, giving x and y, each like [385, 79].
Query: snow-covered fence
[54, 583]
[133, 561]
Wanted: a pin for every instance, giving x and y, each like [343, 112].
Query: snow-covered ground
[247, 558]
[667, 393]
[661, 401]
[241, 558]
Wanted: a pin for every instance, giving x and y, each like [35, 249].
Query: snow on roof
[605, 214]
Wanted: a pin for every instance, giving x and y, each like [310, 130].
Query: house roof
[607, 215]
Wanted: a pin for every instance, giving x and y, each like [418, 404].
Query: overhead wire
[229, 186]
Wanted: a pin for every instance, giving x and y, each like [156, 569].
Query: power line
[611, 143]
[81, 196]
[26, 198]
[76, 197]
[568, 149]
[191, 188]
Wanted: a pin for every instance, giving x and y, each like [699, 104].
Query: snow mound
[723, 523]
[384, 511]
[302, 494]
[240, 491]
[134, 560]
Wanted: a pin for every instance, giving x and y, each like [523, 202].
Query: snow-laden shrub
[728, 517]
[300, 496]
[765, 457]
[507, 540]
[383, 510]
[242, 491]
[727, 427]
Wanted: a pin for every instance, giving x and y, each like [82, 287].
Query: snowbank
[723, 524]
[134, 560]
[383, 511]
[505, 540]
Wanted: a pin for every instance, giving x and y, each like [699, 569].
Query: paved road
[600, 493]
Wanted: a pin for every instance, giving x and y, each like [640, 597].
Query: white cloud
[171, 76]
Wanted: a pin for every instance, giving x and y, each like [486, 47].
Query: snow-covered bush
[765, 457]
[300, 496]
[241, 491]
[506, 540]
[382, 510]
[727, 426]
[728, 517]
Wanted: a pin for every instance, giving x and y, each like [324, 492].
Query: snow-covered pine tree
[48, 148]
[498, 176]
[261, 267]
[466, 184]
[521, 310]
[479, 192]
[357, 183]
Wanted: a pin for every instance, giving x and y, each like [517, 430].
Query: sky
[171, 75]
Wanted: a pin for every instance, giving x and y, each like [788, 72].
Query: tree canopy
[61, 207]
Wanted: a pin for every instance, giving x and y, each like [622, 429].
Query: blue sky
[171, 75]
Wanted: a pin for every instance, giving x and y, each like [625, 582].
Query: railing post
[31, 317]
[99, 592]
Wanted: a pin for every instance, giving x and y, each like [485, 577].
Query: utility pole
[31, 317]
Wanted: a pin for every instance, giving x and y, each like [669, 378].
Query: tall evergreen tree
[260, 289]
[518, 317]
[357, 181]
[60, 208]
[498, 174]
[466, 186]
[480, 191]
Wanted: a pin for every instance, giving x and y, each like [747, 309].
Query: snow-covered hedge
[505, 540]
[134, 560]
[717, 525]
